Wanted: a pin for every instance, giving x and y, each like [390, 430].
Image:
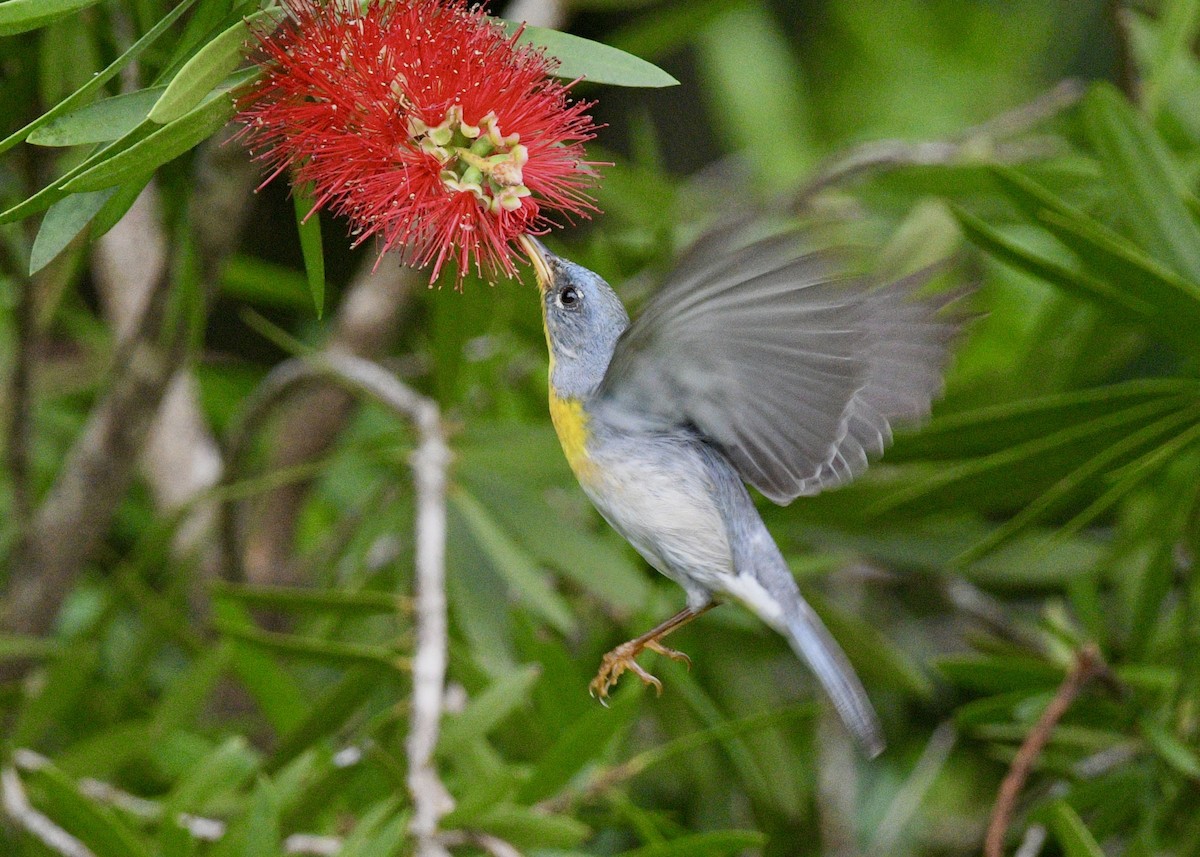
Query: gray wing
[794, 366]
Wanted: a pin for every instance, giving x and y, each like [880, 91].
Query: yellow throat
[571, 424]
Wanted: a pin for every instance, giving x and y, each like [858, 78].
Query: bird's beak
[540, 257]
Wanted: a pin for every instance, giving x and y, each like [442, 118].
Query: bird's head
[583, 319]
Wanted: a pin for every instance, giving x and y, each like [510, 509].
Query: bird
[761, 360]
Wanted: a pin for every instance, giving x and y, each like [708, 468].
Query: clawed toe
[673, 654]
[623, 658]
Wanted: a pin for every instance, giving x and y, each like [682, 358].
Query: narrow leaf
[65, 220]
[717, 843]
[593, 61]
[81, 95]
[308, 226]
[163, 145]
[1071, 833]
[514, 564]
[1151, 191]
[98, 122]
[207, 67]
[19, 16]
[489, 709]
[1171, 749]
[98, 827]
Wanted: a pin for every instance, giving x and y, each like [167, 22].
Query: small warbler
[756, 361]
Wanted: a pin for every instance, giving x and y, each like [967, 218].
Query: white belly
[668, 513]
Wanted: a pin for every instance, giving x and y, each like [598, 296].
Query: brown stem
[1088, 665]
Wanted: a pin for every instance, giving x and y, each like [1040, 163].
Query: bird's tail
[813, 643]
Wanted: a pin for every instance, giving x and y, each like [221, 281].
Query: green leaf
[364, 602]
[98, 827]
[255, 833]
[99, 122]
[98, 82]
[62, 223]
[526, 828]
[308, 226]
[163, 145]
[207, 68]
[586, 739]
[308, 648]
[528, 581]
[1171, 749]
[593, 61]
[273, 689]
[118, 205]
[717, 843]
[1071, 833]
[1104, 252]
[55, 191]
[19, 16]
[328, 713]
[488, 709]
[1151, 191]
[20, 647]
[219, 773]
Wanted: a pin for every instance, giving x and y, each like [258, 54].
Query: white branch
[429, 462]
[17, 807]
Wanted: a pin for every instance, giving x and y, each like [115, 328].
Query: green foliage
[1051, 502]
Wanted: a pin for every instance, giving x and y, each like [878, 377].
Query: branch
[1088, 665]
[98, 468]
[987, 136]
[429, 462]
[20, 810]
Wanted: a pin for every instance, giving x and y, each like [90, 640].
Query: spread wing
[793, 366]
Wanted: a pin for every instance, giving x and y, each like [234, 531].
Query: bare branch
[93, 479]
[20, 810]
[429, 462]
[1088, 665]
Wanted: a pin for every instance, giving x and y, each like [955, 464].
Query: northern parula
[763, 362]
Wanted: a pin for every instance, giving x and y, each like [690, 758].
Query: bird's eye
[569, 298]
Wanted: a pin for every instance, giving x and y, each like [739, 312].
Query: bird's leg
[623, 656]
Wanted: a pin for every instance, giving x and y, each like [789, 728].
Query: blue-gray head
[583, 318]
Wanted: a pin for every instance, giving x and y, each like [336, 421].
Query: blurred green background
[205, 626]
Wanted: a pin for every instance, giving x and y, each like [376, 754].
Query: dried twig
[1088, 665]
[429, 461]
[988, 136]
[17, 807]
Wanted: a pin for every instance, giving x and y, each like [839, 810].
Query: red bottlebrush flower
[424, 124]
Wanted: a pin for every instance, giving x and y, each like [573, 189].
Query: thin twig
[20, 810]
[987, 136]
[1088, 665]
[429, 461]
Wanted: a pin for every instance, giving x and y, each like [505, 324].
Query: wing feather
[789, 362]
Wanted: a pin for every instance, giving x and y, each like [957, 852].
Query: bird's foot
[623, 658]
